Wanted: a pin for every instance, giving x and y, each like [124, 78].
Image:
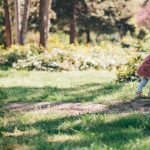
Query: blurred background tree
[8, 33]
[97, 16]
[24, 23]
[80, 19]
[44, 21]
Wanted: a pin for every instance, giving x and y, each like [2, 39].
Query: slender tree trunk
[24, 23]
[88, 36]
[73, 23]
[7, 34]
[44, 21]
[17, 21]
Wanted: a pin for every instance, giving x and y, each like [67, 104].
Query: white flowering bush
[62, 57]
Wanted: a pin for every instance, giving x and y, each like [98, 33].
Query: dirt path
[58, 108]
[142, 105]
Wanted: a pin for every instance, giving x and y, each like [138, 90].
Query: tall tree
[24, 23]
[99, 16]
[8, 34]
[44, 21]
[17, 21]
[73, 22]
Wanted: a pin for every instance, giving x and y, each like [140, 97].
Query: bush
[17, 52]
[57, 60]
[61, 56]
[127, 72]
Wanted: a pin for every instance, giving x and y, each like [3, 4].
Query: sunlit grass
[35, 86]
[103, 130]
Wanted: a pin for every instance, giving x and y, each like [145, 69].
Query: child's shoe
[139, 94]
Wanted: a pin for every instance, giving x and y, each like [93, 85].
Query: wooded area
[74, 17]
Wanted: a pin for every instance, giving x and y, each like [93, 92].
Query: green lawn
[30, 130]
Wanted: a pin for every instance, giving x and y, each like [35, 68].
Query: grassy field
[93, 131]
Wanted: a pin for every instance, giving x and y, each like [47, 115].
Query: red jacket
[144, 69]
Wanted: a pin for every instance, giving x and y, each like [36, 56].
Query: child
[144, 73]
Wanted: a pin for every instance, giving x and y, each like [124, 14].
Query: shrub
[17, 52]
[60, 56]
[127, 72]
[58, 60]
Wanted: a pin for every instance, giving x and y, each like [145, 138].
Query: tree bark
[24, 23]
[73, 23]
[8, 33]
[88, 36]
[44, 21]
[17, 21]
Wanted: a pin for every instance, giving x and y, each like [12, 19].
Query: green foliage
[114, 15]
[12, 57]
[127, 72]
[57, 60]
[16, 52]
[103, 16]
[65, 57]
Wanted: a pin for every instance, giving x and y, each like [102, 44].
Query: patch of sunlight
[69, 124]
[86, 90]
[33, 117]
[16, 147]
[43, 114]
[143, 143]
[60, 80]
[64, 138]
[17, 133]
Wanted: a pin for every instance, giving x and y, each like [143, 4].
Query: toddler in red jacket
[144, 73]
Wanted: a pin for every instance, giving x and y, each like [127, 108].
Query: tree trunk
[44, 21]
[17, 21]
[88, 36]
[8, 33]
[73, 23]
[24, 23]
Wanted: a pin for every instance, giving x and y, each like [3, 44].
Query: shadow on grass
[113, 133]
[82, 93]
[5, 67]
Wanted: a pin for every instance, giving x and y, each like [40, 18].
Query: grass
[89, 131]
[61, 87]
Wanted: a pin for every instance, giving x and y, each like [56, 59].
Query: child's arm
[146, 60]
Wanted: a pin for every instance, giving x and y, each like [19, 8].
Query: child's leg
[141, 85]
[149, 89]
